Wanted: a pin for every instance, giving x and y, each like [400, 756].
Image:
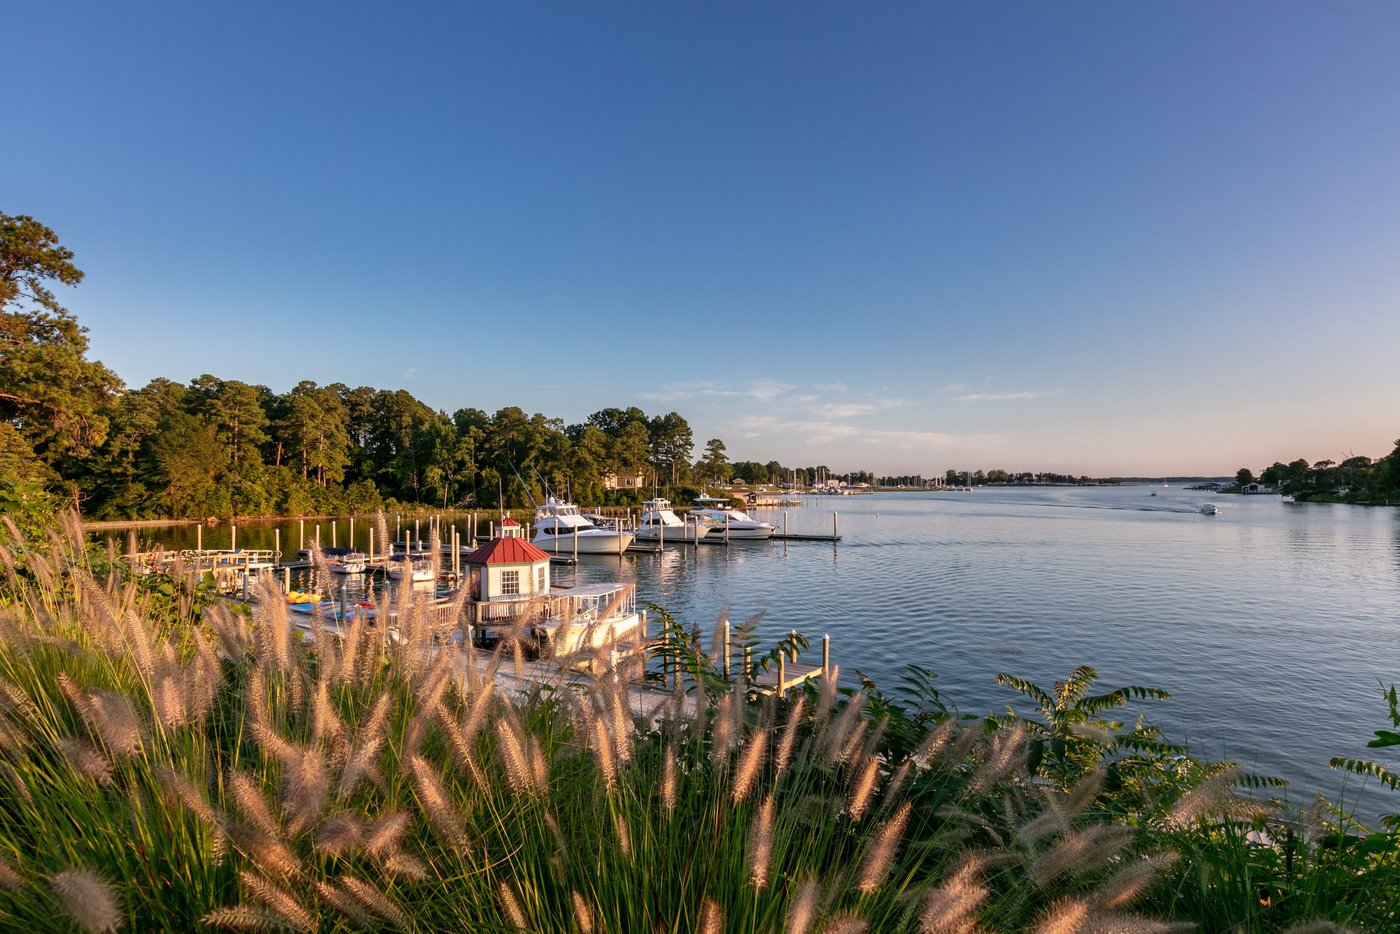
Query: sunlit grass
[169, 761]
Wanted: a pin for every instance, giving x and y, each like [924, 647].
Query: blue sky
[1092, 237]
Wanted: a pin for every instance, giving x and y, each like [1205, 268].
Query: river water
[1273, 624]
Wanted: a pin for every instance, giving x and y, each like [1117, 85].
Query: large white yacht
[725, 521]
[561, 530]
[659, 523]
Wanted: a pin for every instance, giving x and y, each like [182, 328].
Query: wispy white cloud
[762, 390]
[831, 387]
[857, 409]
[826, 432]
[411, 373]
[1006, 396]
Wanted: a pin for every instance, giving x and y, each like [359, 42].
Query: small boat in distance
[726, 521]
[560, 529]
[1210, 509]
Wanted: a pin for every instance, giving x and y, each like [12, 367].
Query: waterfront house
[625, 481]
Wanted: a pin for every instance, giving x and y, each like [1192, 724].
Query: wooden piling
[725, 630]
[199, 537]
[233, 536]
[826, 656]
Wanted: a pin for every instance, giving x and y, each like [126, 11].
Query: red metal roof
[506, 551]
[508, 523]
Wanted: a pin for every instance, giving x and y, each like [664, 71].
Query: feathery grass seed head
[88, 900]
[878, 859]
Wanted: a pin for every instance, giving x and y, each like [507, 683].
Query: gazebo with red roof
[508, 568]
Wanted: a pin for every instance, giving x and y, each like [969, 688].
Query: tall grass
[170, 762]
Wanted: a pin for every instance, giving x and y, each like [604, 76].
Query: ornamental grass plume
[603, 749]
[952, 907]
[838, 730]
[339, 834]
[86, 759]
[10, 878]
[1065, 916]
[376, 901]
[668, 779]
[722, 737]
[788, 741]
[846, 924]
[382, 836]
[1080, 852]
[1005, 756]
[279, 902]
[510, 906]
[88, 899]
[433, 800]
[519, 773]
[863, 789]
[761, 844]
[252, 806]
[113, 717]
[405, 866]
[583, 915]
[711, 918]
[243, 918]
[347, 904]
[750, 761]
[876, 864]
[804, 910]
[1129, 883]
[1210, 796]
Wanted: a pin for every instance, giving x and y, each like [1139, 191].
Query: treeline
[69, 430]
[1000, 477]
[1357, 479]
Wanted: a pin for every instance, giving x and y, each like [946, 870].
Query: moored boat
[343, 560]
[561, 529]
[727, 522]
[659, 523]
[415, 568]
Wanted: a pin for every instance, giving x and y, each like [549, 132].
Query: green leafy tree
[312, 429]
[715, 466]
[671, 442]
[1074, 737]
[123, 475]
[189, 459]
[1244, 475]
[49, 391]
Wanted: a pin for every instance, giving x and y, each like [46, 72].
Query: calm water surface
[1272, 624]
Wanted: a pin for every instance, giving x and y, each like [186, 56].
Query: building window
[510, 583]
[539, 579]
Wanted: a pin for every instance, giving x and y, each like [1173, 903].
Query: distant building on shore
[625, 481]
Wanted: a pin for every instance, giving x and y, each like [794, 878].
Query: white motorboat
[415, 568]
[1210, 509]
[659, 523]
[727, 522]
[344, 560]
[561, 530]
